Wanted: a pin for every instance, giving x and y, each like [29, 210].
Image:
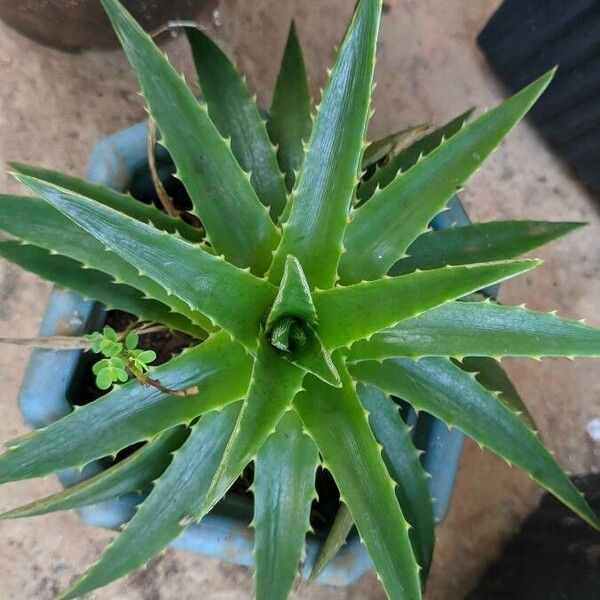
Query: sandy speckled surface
[54, 105]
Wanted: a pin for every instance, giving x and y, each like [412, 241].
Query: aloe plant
[317, 297]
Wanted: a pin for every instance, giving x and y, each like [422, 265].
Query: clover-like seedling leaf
[140, 359]
[109, 371]
[96, 339]
[131, 340]
[104, 379]
[119, 357]
[106, 343]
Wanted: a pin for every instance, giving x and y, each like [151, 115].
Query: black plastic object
[525, 38]
[556, 556]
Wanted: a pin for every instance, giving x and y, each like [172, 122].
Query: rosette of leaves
[316, 297]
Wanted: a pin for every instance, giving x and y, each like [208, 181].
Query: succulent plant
[317, 297]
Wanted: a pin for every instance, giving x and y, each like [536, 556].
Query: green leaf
[382, 229]
[409, 156]
[289, 121]
[293, 298]
[347, 314]
[231, 297]
[324, 191]
[402, 461]
[132, 340]
[237, 224]
[128, 475]
[108, 197]
[284, 487]
[490, 374]
[111, 348]
[480, 242]
[177, 496]
[403, 464]
[121, 375]
[104, 378]
[291, 316]
[336, 538]
[133, 413]
[95, 338]
[454, 396]
[313, 357]
[390, 145]
[34, 221]
[338, 423]
[95, 285]
[273, 385]
[140, 365]
[281, 335]
[146, 356]
[234, 112]
[99, 366]
[109, 333]
[460, 329]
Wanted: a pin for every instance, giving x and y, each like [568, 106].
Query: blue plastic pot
[119, 161]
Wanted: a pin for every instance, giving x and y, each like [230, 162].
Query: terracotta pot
[78, 24]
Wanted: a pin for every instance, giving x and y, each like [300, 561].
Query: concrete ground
[53, 106]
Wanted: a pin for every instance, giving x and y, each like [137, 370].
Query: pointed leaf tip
[376, 305]
[290, 326]
[289, 122]
[293, 299]
[408, 156]
[481, 329]
[236, 223]
[327, 180]
[313, 357]
[384, 227]
[479, 242]
[124, 203]
[234, 111]
[444, 390]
